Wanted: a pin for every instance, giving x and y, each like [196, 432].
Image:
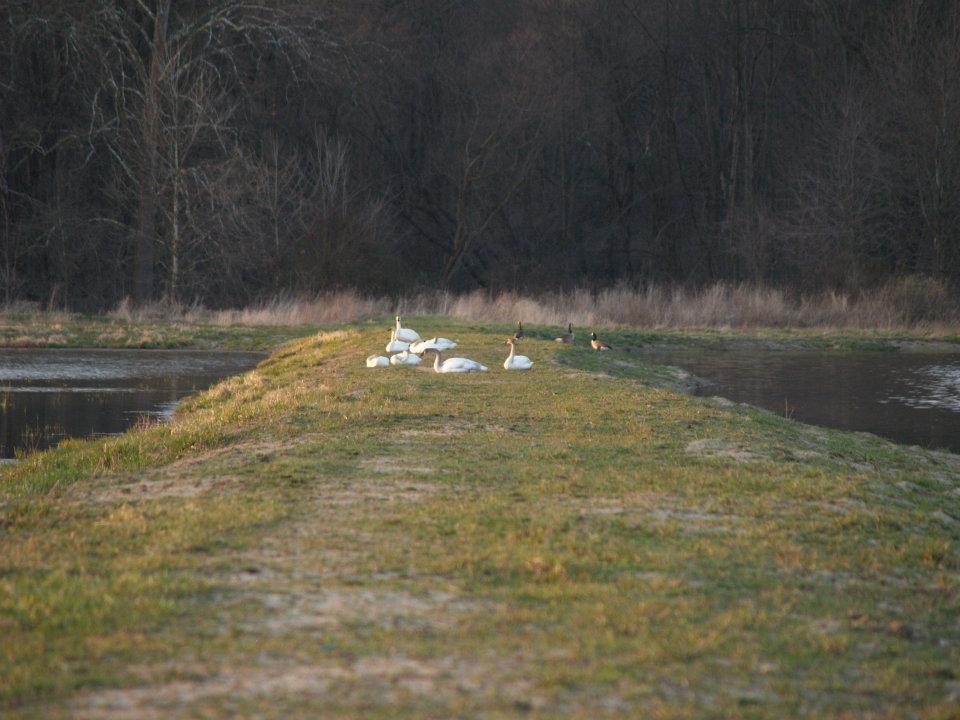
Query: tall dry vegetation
[911, 303]
[220, 151]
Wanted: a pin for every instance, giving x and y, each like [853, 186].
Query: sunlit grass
[314, 538]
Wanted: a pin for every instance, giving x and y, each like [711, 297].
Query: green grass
[316, 539]
[54, 331]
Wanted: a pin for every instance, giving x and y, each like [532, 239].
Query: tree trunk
[5, 238]
[175, 228]
[146, 224]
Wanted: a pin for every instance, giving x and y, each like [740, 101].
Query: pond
[912, 398]
[48, 395]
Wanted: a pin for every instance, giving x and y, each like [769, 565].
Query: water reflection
[933, 386]
[49, 395]
[912, 398]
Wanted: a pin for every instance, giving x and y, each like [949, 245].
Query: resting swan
[406, 334]
[395, 345]
[435, 343]
[455, 364]
[377, 361]
[516, 362]
[405, 358]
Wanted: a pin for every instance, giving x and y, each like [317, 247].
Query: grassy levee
[62, 330]
[319, 539]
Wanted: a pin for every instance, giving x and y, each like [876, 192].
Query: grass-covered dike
[319, 539]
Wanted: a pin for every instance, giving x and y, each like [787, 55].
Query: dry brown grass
[910, 302]
[324, 309]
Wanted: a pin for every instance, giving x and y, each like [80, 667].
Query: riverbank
[319, 539]
[250, 330]
[65, 330]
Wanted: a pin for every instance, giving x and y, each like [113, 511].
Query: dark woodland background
[220, 152]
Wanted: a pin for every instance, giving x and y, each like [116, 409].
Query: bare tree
[223, 149]
[168, 82]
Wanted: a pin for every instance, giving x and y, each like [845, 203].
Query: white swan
[405, 358]
[455, 364]
[395, 345]
[514, 361]
[406, 334]
[434, 343]
[377, 361]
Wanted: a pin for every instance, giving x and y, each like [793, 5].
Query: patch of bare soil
[452, 428]
[184, 478]
[163, 488]
[302, 611]
[577, 374]
[280, 605]
[431, 432]
[721, 448]
[321, 543]
[377, 680]
[389, 465]
[380, 490]
[312, 577]
[660, 511]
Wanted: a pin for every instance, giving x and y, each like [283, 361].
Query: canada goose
[518, 335]
[568, 336]
[598, 344]
[435, 343]
[405, 358]
[514, 361]
[406, 334]
[455, 364]
[377, 361]
[395, 345]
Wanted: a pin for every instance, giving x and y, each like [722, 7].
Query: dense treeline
[225, 150]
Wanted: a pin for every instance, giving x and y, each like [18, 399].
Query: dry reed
[908, 303]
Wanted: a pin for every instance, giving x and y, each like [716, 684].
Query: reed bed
[908, 303]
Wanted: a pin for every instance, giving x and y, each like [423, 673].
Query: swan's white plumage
[514, 361]
[377, 361]
[406, 334]
[405, 358]
[435, 343]
[456, 364]
[395, 345]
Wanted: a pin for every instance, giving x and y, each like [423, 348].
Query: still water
[912, 398]
[49, 395]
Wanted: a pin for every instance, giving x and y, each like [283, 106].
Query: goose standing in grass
[395, 345]
[455, 364]
[518, 335]
[514, 361]
[568, 336]
[406, 334]
[405, 358]
[598, 344]
[378, 361]
[434, 343]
